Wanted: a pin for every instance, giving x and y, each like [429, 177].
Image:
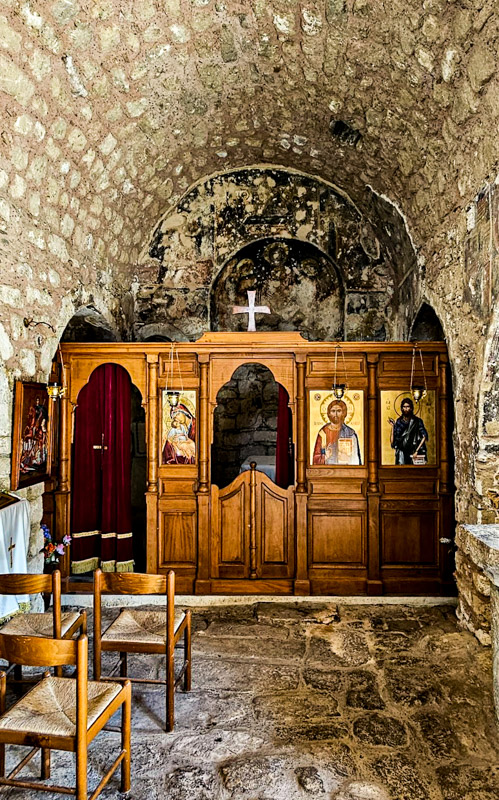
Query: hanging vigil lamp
[339, 389]
[173, 398]
[173, 395]
[418, 392]
[54, 391]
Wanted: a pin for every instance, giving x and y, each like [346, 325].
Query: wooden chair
[135, 631]
[50, 624]
[61, 713]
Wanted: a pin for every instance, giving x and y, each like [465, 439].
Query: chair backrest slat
[20, 583]
[33, 651]
[130, 583]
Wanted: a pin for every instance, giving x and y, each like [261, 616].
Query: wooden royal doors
[252, 534]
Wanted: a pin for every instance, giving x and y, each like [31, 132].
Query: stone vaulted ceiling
[124, 105]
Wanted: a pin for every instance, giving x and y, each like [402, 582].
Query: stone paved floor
[321, 702]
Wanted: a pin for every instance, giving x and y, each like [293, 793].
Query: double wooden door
[252, 532]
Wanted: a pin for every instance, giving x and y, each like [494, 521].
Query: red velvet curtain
[101, 496]
[284, 444]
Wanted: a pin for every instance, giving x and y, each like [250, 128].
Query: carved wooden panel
[232, 521]
[338, 486]
[177, 537]
[188, 368]
[402, 488]
[393, 365]
[275, 537]
[176, 486]
[229, 519]
[337, 538]
[321, 366]
[409, 536]
[274, 526]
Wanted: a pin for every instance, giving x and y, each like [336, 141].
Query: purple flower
[46, 534]
[60, 548]
[66, 539]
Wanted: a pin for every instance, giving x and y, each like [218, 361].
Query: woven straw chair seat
[147, 627]
[38, 624]
[50, 707]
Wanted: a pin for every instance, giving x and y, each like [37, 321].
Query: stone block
[481, 583]
[9, 39]
[15, 82]
[481, 66]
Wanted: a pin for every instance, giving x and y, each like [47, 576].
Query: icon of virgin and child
[180, 444]
[337, 442]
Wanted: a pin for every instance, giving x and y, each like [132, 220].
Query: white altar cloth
[264, 464]
[14, 526]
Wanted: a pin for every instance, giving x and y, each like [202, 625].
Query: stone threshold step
[207, 601]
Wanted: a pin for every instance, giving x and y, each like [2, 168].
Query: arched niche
[84, 364]
[89, 325]
[297, 281]
[109, 464]
[427, 326]
[252, 420]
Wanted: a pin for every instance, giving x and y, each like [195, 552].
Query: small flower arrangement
[52, 550]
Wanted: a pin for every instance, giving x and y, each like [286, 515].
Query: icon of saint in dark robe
[408, 436]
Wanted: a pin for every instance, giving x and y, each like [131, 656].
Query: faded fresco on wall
[477, 253]
[408, 432]
[179, 428]
[197, 239]
[285, 273]
[336, 428]
[482, 250]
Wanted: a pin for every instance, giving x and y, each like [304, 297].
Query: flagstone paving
[315, 701]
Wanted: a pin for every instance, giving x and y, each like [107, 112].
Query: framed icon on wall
[408, 430]
[336, 428]
[31, 434]
[178, 436]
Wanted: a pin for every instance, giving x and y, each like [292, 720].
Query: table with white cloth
[14, 541]
[264, 464]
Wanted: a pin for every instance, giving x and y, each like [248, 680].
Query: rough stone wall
[487, 462]
[112, 111]
[473, 610]
[462, 286]
[245, 422]
[207, 231]
[477, 562]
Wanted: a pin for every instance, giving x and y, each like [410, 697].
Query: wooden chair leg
[81, 770]
[97, 659]
[45, 753]
[170, 689]
[126, 737]
[187, 654]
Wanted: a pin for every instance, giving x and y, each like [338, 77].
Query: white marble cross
[251, 310]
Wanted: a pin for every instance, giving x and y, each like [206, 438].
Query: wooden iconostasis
[337, 503]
